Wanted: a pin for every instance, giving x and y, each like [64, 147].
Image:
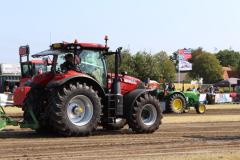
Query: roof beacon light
[106, 39]
[75, 41]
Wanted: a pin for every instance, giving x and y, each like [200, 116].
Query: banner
[185, 54]
[13, 69]
[185, 65]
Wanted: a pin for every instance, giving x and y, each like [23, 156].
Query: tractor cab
[71, 59]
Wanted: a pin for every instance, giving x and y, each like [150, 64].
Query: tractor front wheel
[145, 115]
[75, 110]
[200, 108]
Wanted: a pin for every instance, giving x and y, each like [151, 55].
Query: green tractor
[177, 101]
[180, 102]
[193, 101]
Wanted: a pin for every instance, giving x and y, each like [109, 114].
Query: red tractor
[77, 94]
[28, 70]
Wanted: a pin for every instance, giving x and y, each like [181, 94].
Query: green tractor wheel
[177, 103]
[200, 108]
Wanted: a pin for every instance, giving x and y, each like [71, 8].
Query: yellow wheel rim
[177, 104]
[201, 108]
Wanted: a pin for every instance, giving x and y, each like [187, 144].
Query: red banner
[186, 53]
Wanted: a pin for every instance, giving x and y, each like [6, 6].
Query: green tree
[145, 66]
[195, 54]
[205, 65]
[165, 67]
[174, 57]
[126, 63]
[238, 68]
[228, 58]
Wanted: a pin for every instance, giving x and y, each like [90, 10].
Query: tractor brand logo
[130, 81]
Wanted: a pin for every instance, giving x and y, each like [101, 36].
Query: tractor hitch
[5, 120]
[8, 121]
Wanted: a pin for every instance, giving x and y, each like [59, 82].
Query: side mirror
[124, 73]
[24, 50]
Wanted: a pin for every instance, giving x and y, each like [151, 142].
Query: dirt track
[215, 140]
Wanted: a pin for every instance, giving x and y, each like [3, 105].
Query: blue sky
[151, 25]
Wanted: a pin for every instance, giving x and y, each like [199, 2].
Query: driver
[69, 63]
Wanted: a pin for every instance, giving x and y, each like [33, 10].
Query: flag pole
[178, 70]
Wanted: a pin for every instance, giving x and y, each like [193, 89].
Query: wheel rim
[149, 114]
[79, 110]
[201, 108]
[177, 104]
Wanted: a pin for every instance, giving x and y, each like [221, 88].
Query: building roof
[229, 73]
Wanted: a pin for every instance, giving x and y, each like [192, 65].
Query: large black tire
[120, 123]
[75, 110]
[177, 103]
[145, 115]
[36, 99]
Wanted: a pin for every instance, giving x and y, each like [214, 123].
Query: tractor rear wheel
[120, 123]
[75, 110]
[145, 115]
[200, 108]
[177, 103]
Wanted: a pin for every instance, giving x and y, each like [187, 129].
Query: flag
[186, 53]
[185, 65]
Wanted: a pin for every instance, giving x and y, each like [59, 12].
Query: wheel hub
[79, 110]
[202, 108]
[177, 104]
[149, 114]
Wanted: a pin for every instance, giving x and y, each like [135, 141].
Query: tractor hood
[128, 83]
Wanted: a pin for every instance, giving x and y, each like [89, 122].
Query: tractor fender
[130, 98]
[82, 79]
[176, 92]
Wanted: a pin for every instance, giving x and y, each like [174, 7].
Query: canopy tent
[231, 82]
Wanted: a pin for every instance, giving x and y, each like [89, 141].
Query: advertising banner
[185, 54]
[12, 69]
[185, 65]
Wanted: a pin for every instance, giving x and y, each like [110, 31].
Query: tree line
[162, 67]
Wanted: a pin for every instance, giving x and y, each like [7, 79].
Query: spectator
[14, 88]
[199, 90]
[7, 89]
[194, 89]
[211, 90]
[171, 87]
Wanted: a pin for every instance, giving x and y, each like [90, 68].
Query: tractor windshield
[90, 62]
